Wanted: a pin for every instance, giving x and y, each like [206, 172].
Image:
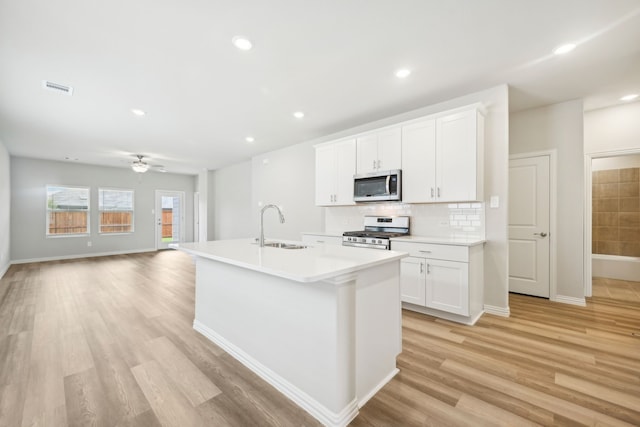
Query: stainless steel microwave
[381, 186]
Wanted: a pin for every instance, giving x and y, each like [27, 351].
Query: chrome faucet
[262, 221]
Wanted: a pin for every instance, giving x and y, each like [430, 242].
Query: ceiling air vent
[56, 87]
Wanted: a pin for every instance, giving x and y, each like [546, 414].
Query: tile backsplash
[434, 220]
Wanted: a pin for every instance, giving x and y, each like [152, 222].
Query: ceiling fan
[140, 166]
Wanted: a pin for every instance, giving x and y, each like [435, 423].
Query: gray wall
[286, 178]
[229, 213]
[5, 209]
[560, 127]
[29, 178]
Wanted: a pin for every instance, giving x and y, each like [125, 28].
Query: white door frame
[553, 194]
[182, 215]
[588, 210]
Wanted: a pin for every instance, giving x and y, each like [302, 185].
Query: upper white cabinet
[443, 158]
[380, 150]
[419, 161]
[335, 167]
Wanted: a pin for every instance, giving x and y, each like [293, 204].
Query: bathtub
[615, 267]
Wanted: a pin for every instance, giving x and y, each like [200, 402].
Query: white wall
[230, 203]
[286, 178]
[5, 209]
[612, 129]
[29, 178]
[617, 162]
[560, 127]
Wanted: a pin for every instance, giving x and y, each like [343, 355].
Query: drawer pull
[425, 252]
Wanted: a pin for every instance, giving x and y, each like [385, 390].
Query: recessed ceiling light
[565, 48]
[630, 97]
[249, 139]
[242, 43]
[402, 73]
[298, 114]
[138, 112]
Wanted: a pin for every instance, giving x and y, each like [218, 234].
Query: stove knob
[363, 240]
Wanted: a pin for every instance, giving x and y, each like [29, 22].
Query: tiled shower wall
[616, 212]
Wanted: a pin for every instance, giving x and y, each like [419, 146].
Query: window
[67, 210]
[116, 210]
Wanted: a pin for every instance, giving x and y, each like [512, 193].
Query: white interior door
[529, 226]
[169, 218]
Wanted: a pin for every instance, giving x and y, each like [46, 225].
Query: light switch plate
[495, 202]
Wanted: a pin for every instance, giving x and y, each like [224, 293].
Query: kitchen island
[322, 324]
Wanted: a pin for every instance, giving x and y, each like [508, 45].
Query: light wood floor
[108, 342]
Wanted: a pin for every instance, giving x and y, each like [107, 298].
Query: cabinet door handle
[438, 191]
[374, 164]
[421, 268]
[378, 164]
[543, 234]
[432, 192]
[428, 269]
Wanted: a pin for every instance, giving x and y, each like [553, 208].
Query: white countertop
[324, 233]
[457, 241]
[311, 264]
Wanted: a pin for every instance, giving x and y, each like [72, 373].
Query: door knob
[543, 234]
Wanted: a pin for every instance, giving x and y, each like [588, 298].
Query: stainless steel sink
[283, 245]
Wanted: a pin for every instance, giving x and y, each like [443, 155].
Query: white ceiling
[333, 59]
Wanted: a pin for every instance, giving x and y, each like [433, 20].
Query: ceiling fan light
[139, 166]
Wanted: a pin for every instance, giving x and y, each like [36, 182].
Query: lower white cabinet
[412, 280]
[447, 286]
[442, 280]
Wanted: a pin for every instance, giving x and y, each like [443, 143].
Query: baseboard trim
[569, 300]
[302, 399]
[498, 311]
[4, 269]
[377, 388]
[89, 255]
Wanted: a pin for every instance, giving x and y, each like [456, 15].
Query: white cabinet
[320, 239]
[335, 167]
[443, 158]
[419, 162]
[447, 286]
[412, 280]
[380, 150]
[442, 280]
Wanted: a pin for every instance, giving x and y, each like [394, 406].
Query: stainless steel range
[378, 230]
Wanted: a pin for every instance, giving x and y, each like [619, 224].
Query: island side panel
[302, 332]
[378, 328]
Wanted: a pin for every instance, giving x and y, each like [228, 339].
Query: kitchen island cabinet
[321, 324]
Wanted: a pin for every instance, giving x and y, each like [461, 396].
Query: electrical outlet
[89, 243]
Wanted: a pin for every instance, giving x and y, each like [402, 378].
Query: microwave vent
[57, 87]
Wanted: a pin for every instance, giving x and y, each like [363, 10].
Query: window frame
[100, 211]
[48, 211]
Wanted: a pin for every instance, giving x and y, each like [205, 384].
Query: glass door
[169, 218]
